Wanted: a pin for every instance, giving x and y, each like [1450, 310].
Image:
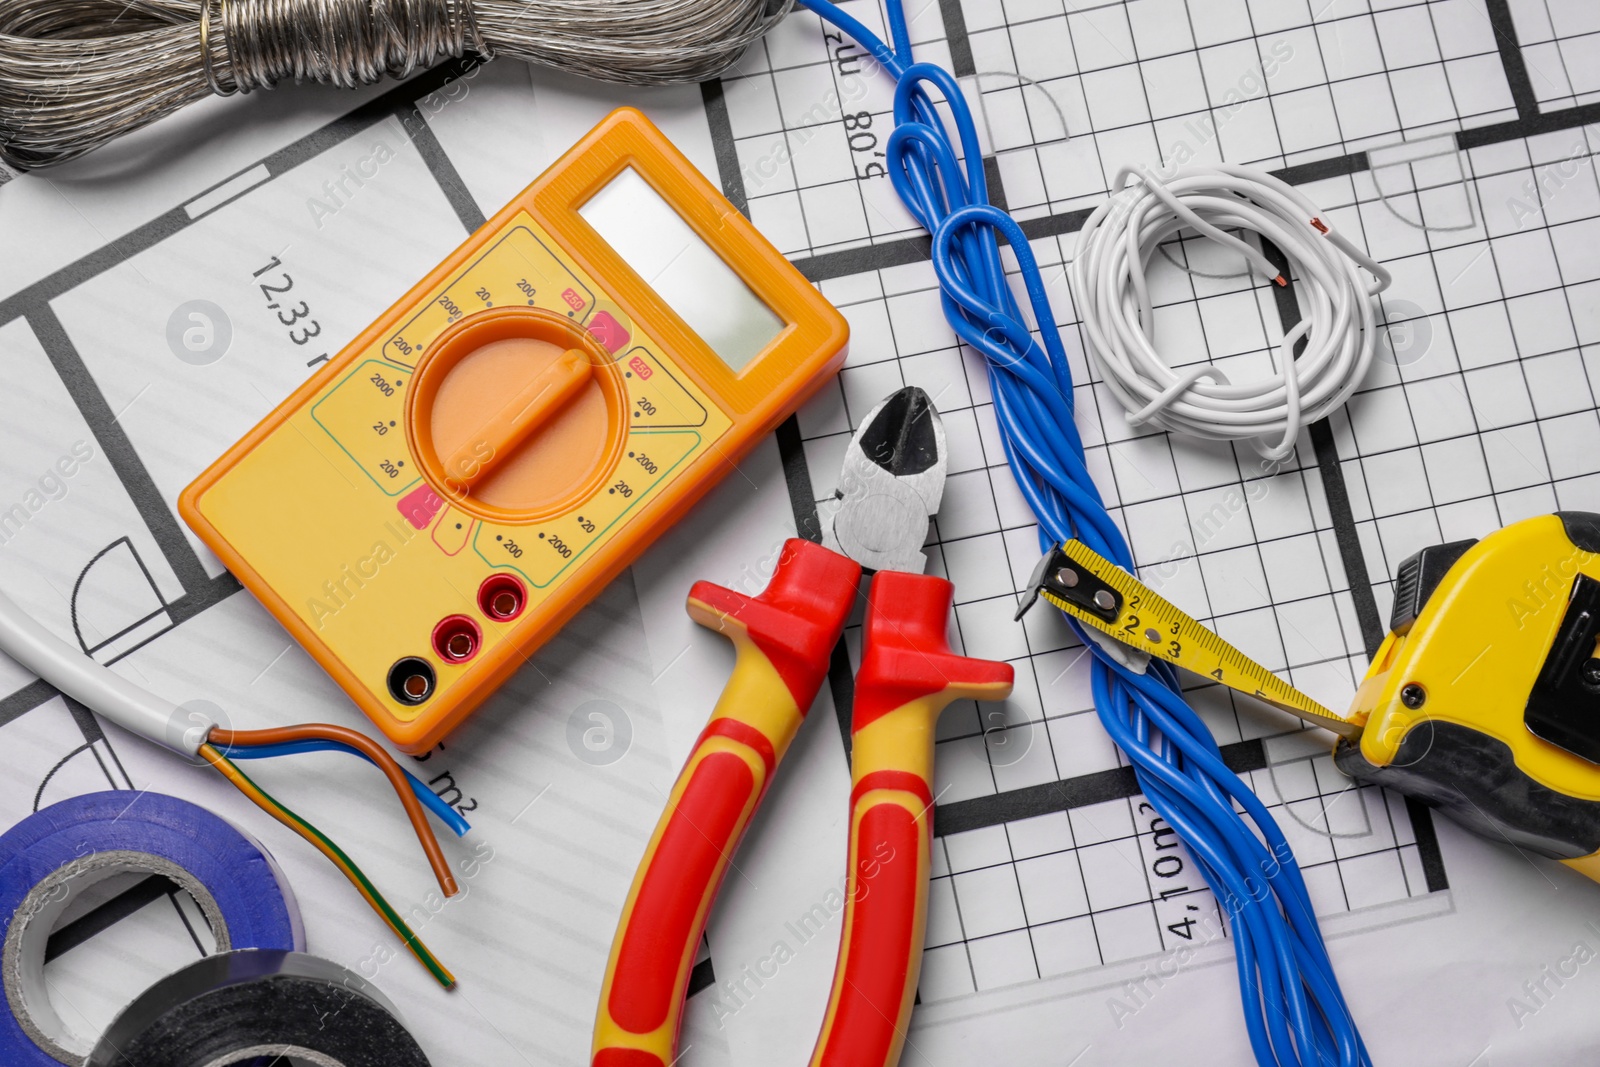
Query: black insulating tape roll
[255, 1006]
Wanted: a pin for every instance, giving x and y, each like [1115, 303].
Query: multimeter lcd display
[656, 242]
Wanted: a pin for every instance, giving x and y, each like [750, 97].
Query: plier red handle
[784, 639]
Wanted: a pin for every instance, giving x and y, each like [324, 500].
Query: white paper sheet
[1049, 942]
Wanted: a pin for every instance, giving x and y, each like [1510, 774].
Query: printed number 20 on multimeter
[500, 444]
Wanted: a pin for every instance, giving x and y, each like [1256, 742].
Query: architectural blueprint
[1455, 139]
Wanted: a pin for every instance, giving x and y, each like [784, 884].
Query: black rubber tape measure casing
[269, 1003]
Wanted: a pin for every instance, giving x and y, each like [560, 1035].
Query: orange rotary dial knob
[515, 414]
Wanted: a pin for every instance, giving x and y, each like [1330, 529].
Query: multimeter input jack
[412, 681]
[457, 639]
[502, 597]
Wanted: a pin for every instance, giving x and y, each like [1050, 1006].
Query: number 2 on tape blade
[1097, 592]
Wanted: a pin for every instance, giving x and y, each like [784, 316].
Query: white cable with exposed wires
[1112, 292]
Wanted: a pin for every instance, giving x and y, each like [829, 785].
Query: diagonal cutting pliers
[891, 484]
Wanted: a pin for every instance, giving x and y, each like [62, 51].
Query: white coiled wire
[1113, 298]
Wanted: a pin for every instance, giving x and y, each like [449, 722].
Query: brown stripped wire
[385, 762]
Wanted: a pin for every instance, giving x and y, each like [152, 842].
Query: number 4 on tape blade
[1100, 594]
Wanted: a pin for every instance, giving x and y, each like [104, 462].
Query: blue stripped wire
[431, 800]
[1294, 1011]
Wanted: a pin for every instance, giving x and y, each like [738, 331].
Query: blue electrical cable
[431, 800]
[1294, 1011]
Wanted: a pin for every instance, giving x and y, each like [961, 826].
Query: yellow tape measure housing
[1097, 592]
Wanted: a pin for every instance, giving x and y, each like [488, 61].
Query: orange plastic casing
[362, 549]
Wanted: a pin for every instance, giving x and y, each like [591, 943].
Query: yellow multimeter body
[1484, 699]
[474, 467]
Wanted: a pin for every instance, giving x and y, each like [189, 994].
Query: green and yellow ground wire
[346, 865]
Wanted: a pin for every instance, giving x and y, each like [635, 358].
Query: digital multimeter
[502, 442]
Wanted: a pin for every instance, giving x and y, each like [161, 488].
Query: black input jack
[412, 681]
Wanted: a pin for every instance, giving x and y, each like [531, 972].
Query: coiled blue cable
[430, 800]
[1294, 1011]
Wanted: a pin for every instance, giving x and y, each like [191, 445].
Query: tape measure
[1097, 592]
[476, 465]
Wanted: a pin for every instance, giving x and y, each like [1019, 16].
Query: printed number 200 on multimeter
[451, 488]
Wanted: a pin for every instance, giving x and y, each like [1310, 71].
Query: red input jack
[502, 597]
[457, 639]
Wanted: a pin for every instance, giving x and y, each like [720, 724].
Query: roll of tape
[235, 1007]
[49, 858]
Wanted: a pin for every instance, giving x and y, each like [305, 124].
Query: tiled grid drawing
[1269, 82]
[1102, 884]
[1561, 45]
[810, 113]
[1251, 549]
[986, 758]
[1246, 547]
[1069, 91]
[1490, 418]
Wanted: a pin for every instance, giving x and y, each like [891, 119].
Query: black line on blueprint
[183, 917]
[842, 264]
[119, 450]
[158, 229]
[441, 167]
[1333, 484]
[87, 723]
[1118, 783]
[131, 900]
[1427, 845]
[15, 705]
[991, 178]
[808, 524]
[1337, 494]
[1055, 225]
[797, 476]
[955, 31]
[842, 686]
[919, 249]
[95, 263]
[339, 130]
[97, 739]
[702, 977]
[1516, 67]
[962, 65]
[194, 601]
[1344, 532]
[72, 601]
[1322, 169]
[727, 153]
[1550, 122]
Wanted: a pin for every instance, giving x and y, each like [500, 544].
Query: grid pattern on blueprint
[1106, 883]
[810, 113]
[1068, 91]
[1560, 42]
[1246, 547]
[1488, 414]
[1073, 90]
[1469, 421]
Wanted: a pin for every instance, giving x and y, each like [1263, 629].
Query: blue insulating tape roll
[97, 834]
